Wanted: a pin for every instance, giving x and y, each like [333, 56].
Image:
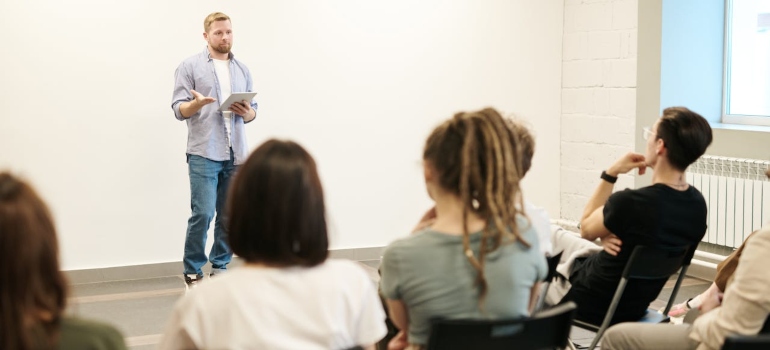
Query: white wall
[85, 115]
[598, 96]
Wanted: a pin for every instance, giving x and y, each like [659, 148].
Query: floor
[140, 308]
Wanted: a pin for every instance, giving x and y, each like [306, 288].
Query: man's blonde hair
[213, 17]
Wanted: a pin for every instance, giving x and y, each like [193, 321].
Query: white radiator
[737, 194]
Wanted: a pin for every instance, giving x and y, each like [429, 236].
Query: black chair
[646, 263]
[750, 342]
[553, 262]
[765, 327]
[747, 342]
[546, 330]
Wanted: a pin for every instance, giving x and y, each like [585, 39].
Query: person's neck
[218, 55]
[665, 174]
[449, 216]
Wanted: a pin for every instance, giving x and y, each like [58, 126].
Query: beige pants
[648, 336]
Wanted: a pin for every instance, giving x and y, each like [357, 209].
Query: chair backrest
[750, 342]
[653, 263]
[546, 330]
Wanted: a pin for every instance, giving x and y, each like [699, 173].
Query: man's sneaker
[216, 272]
[191, 281]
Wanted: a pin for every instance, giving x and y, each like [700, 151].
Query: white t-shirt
[222, 68]
[331, 306]
[542, 224]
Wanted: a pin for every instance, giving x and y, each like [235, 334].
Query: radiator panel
[737, 194]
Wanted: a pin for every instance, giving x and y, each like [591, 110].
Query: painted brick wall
[598, 116]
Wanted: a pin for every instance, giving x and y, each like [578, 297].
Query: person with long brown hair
[33, 292]
[480, 257]
[288, 295]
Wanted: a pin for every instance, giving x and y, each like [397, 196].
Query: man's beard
[224, 48]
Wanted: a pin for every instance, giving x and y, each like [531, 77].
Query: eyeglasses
[647, 132]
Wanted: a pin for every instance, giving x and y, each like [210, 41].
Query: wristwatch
[609, 178]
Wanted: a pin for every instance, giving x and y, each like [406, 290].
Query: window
[747, 62]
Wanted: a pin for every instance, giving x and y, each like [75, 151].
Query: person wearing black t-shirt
[668, 213]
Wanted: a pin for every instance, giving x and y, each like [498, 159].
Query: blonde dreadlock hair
[476, 157]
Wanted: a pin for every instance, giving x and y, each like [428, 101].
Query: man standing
[216, 141]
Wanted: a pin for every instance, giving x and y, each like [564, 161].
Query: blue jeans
[208, 191]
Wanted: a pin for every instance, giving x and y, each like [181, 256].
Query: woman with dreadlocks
[480, 257]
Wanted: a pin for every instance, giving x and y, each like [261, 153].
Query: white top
[542, 224]
[331, 306]
[222, 68]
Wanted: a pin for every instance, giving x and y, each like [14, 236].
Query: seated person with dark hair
[288, 295]
[668, 213]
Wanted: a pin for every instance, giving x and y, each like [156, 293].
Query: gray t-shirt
[430, 274]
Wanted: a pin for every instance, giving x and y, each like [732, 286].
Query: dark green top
[89, 335]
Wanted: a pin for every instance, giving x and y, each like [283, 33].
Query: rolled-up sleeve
[183, 83]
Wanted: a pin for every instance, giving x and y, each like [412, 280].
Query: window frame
[741, 119]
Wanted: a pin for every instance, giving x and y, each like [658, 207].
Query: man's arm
[189, 108]
[251, 114]
[592, 222]
[183, 84]
[186, 101]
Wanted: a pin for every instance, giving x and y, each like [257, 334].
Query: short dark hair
[276, 213]
[686, 135]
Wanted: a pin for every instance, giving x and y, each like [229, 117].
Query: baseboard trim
[702, 266]
[702, 269]
[174, 268]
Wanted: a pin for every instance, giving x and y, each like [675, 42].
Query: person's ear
[660, 147]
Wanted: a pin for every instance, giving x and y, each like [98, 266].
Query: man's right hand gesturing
[189, 108]
[201, 100]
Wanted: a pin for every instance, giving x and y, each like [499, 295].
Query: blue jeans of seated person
[209, 181]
